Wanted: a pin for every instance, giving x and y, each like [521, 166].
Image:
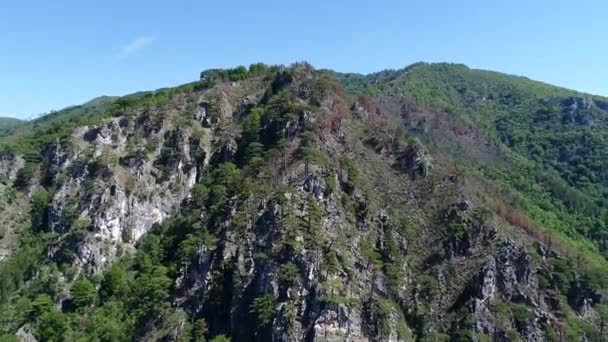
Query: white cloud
[135, 45]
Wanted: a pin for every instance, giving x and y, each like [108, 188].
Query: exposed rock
[10, 164]
[226, 152]
[414, 162]
[360, 112]
[507, 277]
[393, 246]
[330, 326]
[24, 335]
[582, 298]
[577, 110]
[55, 157]
[131, 200]
[313, 185]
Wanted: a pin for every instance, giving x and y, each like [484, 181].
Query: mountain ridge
[281, 203]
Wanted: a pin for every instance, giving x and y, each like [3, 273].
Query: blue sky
[60, 53]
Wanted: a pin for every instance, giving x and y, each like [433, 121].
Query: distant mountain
[7, 123]
[270, 203]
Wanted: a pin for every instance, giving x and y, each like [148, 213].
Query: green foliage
[369, 253]
[459, 228]
[31, 136]
[9, 338]
[551, 142]
[109, 323]
[199, 330]
[25, 175]
[83, 292]
[380, 311]
[429, 286]
[115, 282]
[562, 274]
[351, 169]
[7, 125]
[42, 305]
[513, 335]
[330, 184]
[54, 326]
[500, 310]
[152, 291]
[575, 328]
[330, 264]
[550, 333]
[435, 337]
[312, 226]
[40, 201]
[20, 265]
[289, 273]
[522, 314]
[220, 338]
[235, 74]
[263, 308]
[560, 188]
[258, 69]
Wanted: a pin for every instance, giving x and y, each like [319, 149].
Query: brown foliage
[338, 110]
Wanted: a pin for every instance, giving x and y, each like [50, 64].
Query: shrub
[264, 309]
[114, 282]
[54, 326]
[83, 292]
[220, 338]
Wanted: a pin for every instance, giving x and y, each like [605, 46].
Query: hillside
[6, 124]
[431, 203]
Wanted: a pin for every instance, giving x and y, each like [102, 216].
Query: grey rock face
[124, 198]
[10, 164]
[359, 112]
[577, 111]
[414, 161]
[508, 277]
[24, 335]
[56, 157]
[313, 185]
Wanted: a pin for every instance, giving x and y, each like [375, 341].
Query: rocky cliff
[273, 204]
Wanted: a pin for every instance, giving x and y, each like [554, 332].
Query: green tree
[264, 309]
[330, 263]
[289, 273]
[54, 326]
[42, 305]
[199, 330]
[602, 311]
[83, 292]
[257, 68]
[110, 323]
[220, 338]
[313, 222]
[252, 126]
[123, 103]
[38, 212]
[152, 291]
[114, 282]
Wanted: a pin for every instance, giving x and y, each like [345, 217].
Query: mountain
[7, 123]
[432, 203]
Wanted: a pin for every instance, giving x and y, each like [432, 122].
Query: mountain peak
[434, 202]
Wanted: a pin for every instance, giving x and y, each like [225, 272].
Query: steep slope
[276, 203]
[555, 138]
